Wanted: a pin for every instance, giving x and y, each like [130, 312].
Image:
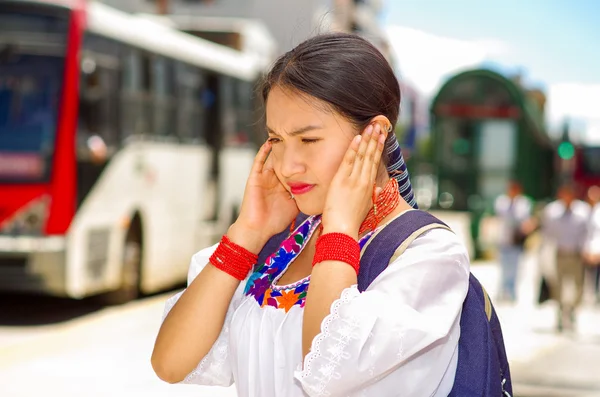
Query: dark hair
[343, 70]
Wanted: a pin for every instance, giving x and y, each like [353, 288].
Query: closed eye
[274, 140]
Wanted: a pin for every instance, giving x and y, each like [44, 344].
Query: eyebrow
[298, 131]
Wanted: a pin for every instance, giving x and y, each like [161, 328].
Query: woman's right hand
[267, 207]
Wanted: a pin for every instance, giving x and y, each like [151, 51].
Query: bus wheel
[131, 263]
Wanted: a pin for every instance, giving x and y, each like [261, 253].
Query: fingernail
[382, 138]
[369, 130]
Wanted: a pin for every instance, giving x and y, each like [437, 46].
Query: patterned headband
[397, 169]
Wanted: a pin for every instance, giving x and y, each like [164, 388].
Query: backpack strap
[483, 368]
[275, 242]
[487, 304]
[391, 241]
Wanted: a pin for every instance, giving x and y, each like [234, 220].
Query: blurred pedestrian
[565, 223]
[592, 244]
[514, 211]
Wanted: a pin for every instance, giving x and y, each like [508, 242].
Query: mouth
[300, 188]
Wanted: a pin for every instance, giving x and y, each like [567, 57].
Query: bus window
[32, 54]
[131, 77]
[98, 134]
[212, 107]
[163, 96]
[146, 94]
[99, 109]
[131, 82]
[229, 112]
[192, 102]
[244, 102]
[102, 46]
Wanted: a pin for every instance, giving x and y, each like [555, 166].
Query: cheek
[327, 163]
[276, 153]
[321, 160]
[276, 159]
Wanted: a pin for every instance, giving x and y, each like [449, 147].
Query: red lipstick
[299, 188]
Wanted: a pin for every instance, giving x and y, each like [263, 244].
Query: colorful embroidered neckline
[262, 282]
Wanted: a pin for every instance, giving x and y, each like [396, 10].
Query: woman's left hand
[350, 195]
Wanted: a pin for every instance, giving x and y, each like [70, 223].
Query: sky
[554, 44]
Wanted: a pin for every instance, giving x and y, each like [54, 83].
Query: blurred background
[128, 127]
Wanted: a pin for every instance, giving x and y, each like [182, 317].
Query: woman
[331, 106]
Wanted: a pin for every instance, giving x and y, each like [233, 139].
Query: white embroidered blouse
[399, 337]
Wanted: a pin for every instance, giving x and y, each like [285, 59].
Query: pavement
[100, 352]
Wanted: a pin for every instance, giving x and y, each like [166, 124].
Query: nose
[291, 162]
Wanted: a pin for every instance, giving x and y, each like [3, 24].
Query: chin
[309, 208]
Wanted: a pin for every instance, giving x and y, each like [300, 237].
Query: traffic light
[566, 150]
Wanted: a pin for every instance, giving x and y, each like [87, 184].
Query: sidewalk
[544, 362]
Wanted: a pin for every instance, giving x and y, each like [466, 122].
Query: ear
[384, 123]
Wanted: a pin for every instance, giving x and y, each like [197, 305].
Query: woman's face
[309, 141]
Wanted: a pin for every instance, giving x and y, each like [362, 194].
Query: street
[65, 348]
[103, 353]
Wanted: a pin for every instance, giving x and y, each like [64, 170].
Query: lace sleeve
[402, 331]
[214, 369]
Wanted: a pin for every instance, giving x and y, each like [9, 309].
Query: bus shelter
[487, 130]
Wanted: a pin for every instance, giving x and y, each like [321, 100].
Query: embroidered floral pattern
[261, 282]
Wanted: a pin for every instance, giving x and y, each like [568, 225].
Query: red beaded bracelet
[337, 247]
[233, 259]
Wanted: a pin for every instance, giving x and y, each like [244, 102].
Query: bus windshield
[32, 52]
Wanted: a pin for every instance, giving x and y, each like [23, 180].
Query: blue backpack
[483, 368]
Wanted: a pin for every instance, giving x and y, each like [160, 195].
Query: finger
[362, 150]
[261, 158]
[268, 164]
[367, 166]
[348, 161]
[375, 157]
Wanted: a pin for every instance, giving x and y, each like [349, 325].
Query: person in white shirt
[296, 325]
[565, 225]
[514, 211]
[591, 250]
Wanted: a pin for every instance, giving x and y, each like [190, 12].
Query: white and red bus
[124, 148]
